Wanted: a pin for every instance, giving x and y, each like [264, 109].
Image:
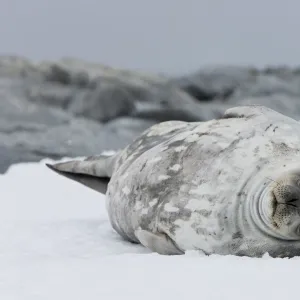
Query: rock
[72, 108]
[267, 85]
[192, 113]
[96, 70]
[224, 82]
[214, 82]
[106, 94]
[58, 109]
[49, 94]
[57, 74]
[277, 88]
[108, 100]
[10, 156]
[124, 130]
[31, 131]
[112, 98]
[41, 132]
[14, 66]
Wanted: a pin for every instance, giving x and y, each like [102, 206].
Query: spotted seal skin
[225, 186]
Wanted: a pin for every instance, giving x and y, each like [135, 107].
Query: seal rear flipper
[93, 172]
[157, 242]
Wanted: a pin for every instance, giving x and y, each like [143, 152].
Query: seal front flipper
[157, 242]
[93, 172]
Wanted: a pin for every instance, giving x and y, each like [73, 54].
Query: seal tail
[93, 172]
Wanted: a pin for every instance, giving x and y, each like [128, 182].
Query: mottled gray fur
[201, 185]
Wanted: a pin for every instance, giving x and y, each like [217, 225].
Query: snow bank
[56, 243]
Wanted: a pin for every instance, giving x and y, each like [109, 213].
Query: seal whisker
[277, 183]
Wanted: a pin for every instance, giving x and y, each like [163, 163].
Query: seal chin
[279, 207]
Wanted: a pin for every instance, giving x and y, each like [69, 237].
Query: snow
[56, 242]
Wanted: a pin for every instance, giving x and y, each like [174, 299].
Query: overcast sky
[174, 36]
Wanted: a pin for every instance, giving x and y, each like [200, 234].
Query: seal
[228, 186]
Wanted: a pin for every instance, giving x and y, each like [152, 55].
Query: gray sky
[175, 36]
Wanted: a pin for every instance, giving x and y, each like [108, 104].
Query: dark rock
[109, 100]
[113, 98]
[81, 80]
[214, 82]
[58, 74]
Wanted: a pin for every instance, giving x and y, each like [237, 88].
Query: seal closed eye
[225, 186]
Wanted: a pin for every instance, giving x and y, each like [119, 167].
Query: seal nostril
[293, 200]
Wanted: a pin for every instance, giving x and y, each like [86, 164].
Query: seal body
[207, 185]
[194, 181]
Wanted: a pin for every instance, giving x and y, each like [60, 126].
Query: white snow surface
[56, 243]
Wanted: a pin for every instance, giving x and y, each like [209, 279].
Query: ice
[56, 243]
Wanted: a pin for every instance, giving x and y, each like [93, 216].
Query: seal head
[282, 207]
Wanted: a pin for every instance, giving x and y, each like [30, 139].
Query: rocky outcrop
[227, 86]
[74, 108]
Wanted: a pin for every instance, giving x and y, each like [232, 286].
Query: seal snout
[286, 206]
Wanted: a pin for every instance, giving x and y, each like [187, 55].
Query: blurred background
[80, 77]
